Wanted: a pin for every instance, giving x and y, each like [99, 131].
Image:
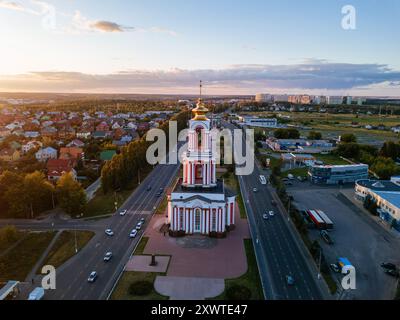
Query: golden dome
[200, 111]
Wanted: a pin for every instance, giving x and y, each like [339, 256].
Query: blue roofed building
[386, 194]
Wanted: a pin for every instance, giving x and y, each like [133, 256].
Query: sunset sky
[167, 46]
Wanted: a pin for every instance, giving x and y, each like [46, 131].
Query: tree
[348, 138]
[70, 194]
[348, 150]
[8, 234]
[38, 193]
[384, 168]
[290, 133]
[390, 149]
[11, 193]
[314, 135]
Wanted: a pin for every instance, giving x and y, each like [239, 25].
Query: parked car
[391, 272]
[255, 190]
[290, 280]
[334, 267]
[388, 265]
[265, 216]
[92, 277]
[133, 233]
[326, 237]
[271, 213]
[123, 212]
[109, 232]
[107, 256]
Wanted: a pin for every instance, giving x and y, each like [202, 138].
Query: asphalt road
[71, 280]
[278, 254]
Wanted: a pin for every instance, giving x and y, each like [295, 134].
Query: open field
[18, 262]
[64, 247]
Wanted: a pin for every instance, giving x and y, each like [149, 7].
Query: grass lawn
[232, 182]
[331, 159]
[142, 244]
[64, 247]
[161, 209]
[103, 204]
[121, 292]
[17, 263]
[4, 245]
[251, 279]
[302, 172]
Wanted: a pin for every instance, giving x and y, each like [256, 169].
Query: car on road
[123, 212]
[109, 232]
[271, 213]
[142, 220]
[290, 280]
[255, 190]
[107, 256]
[148, 188]
[133, 233]
[388, 266]
[92, 277]
[326, 237]
[265, 216]
[139, 225]
[334, 267]
[159, 192]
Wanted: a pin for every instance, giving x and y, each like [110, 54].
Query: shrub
[238, 292]
[140, 288]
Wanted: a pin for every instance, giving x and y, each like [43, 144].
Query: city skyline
[234, 47]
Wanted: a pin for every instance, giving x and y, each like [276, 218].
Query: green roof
[107, 155]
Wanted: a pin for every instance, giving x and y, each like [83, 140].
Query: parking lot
[356, 236]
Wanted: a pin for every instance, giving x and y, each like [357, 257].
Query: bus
[263, 180]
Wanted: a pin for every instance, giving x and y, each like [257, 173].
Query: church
[199, 202]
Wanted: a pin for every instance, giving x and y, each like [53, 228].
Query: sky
[167, 46]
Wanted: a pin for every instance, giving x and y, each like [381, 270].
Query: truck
[328, 222]
[36, 294]
[318, 221]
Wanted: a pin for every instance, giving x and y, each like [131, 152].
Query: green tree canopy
[70, 194]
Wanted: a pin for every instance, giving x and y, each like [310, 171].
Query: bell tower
[198, 161]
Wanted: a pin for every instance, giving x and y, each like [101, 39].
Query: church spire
[200, 111]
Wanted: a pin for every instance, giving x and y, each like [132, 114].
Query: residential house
[32, 134]
[57, 167]
[50, 132]
[46, 153]
[103, 126]
[30, 146]
[72, 153]
[76, 143]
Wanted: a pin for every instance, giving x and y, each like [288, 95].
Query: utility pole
[76, 244]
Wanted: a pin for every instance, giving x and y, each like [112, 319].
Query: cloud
[41, 7]
[107, 26]
[315, 76]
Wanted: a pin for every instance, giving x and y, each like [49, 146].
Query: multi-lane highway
[278, 251]
[72, 276]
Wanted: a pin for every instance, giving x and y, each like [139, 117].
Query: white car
[109, 232]
[123, 212]
[92, 277]
[271, 213]
[139, 225]
[255, 190]
[133, 233]
[107, 256]
[265, 216]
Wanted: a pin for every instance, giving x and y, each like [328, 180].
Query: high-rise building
[264, 97]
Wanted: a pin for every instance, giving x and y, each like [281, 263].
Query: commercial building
[259, 122]
[264, 97]
[299, 145]
[386, 194]
[339, 174]
[335, 100]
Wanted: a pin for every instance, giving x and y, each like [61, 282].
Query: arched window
[199, 133]
[197, 220]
